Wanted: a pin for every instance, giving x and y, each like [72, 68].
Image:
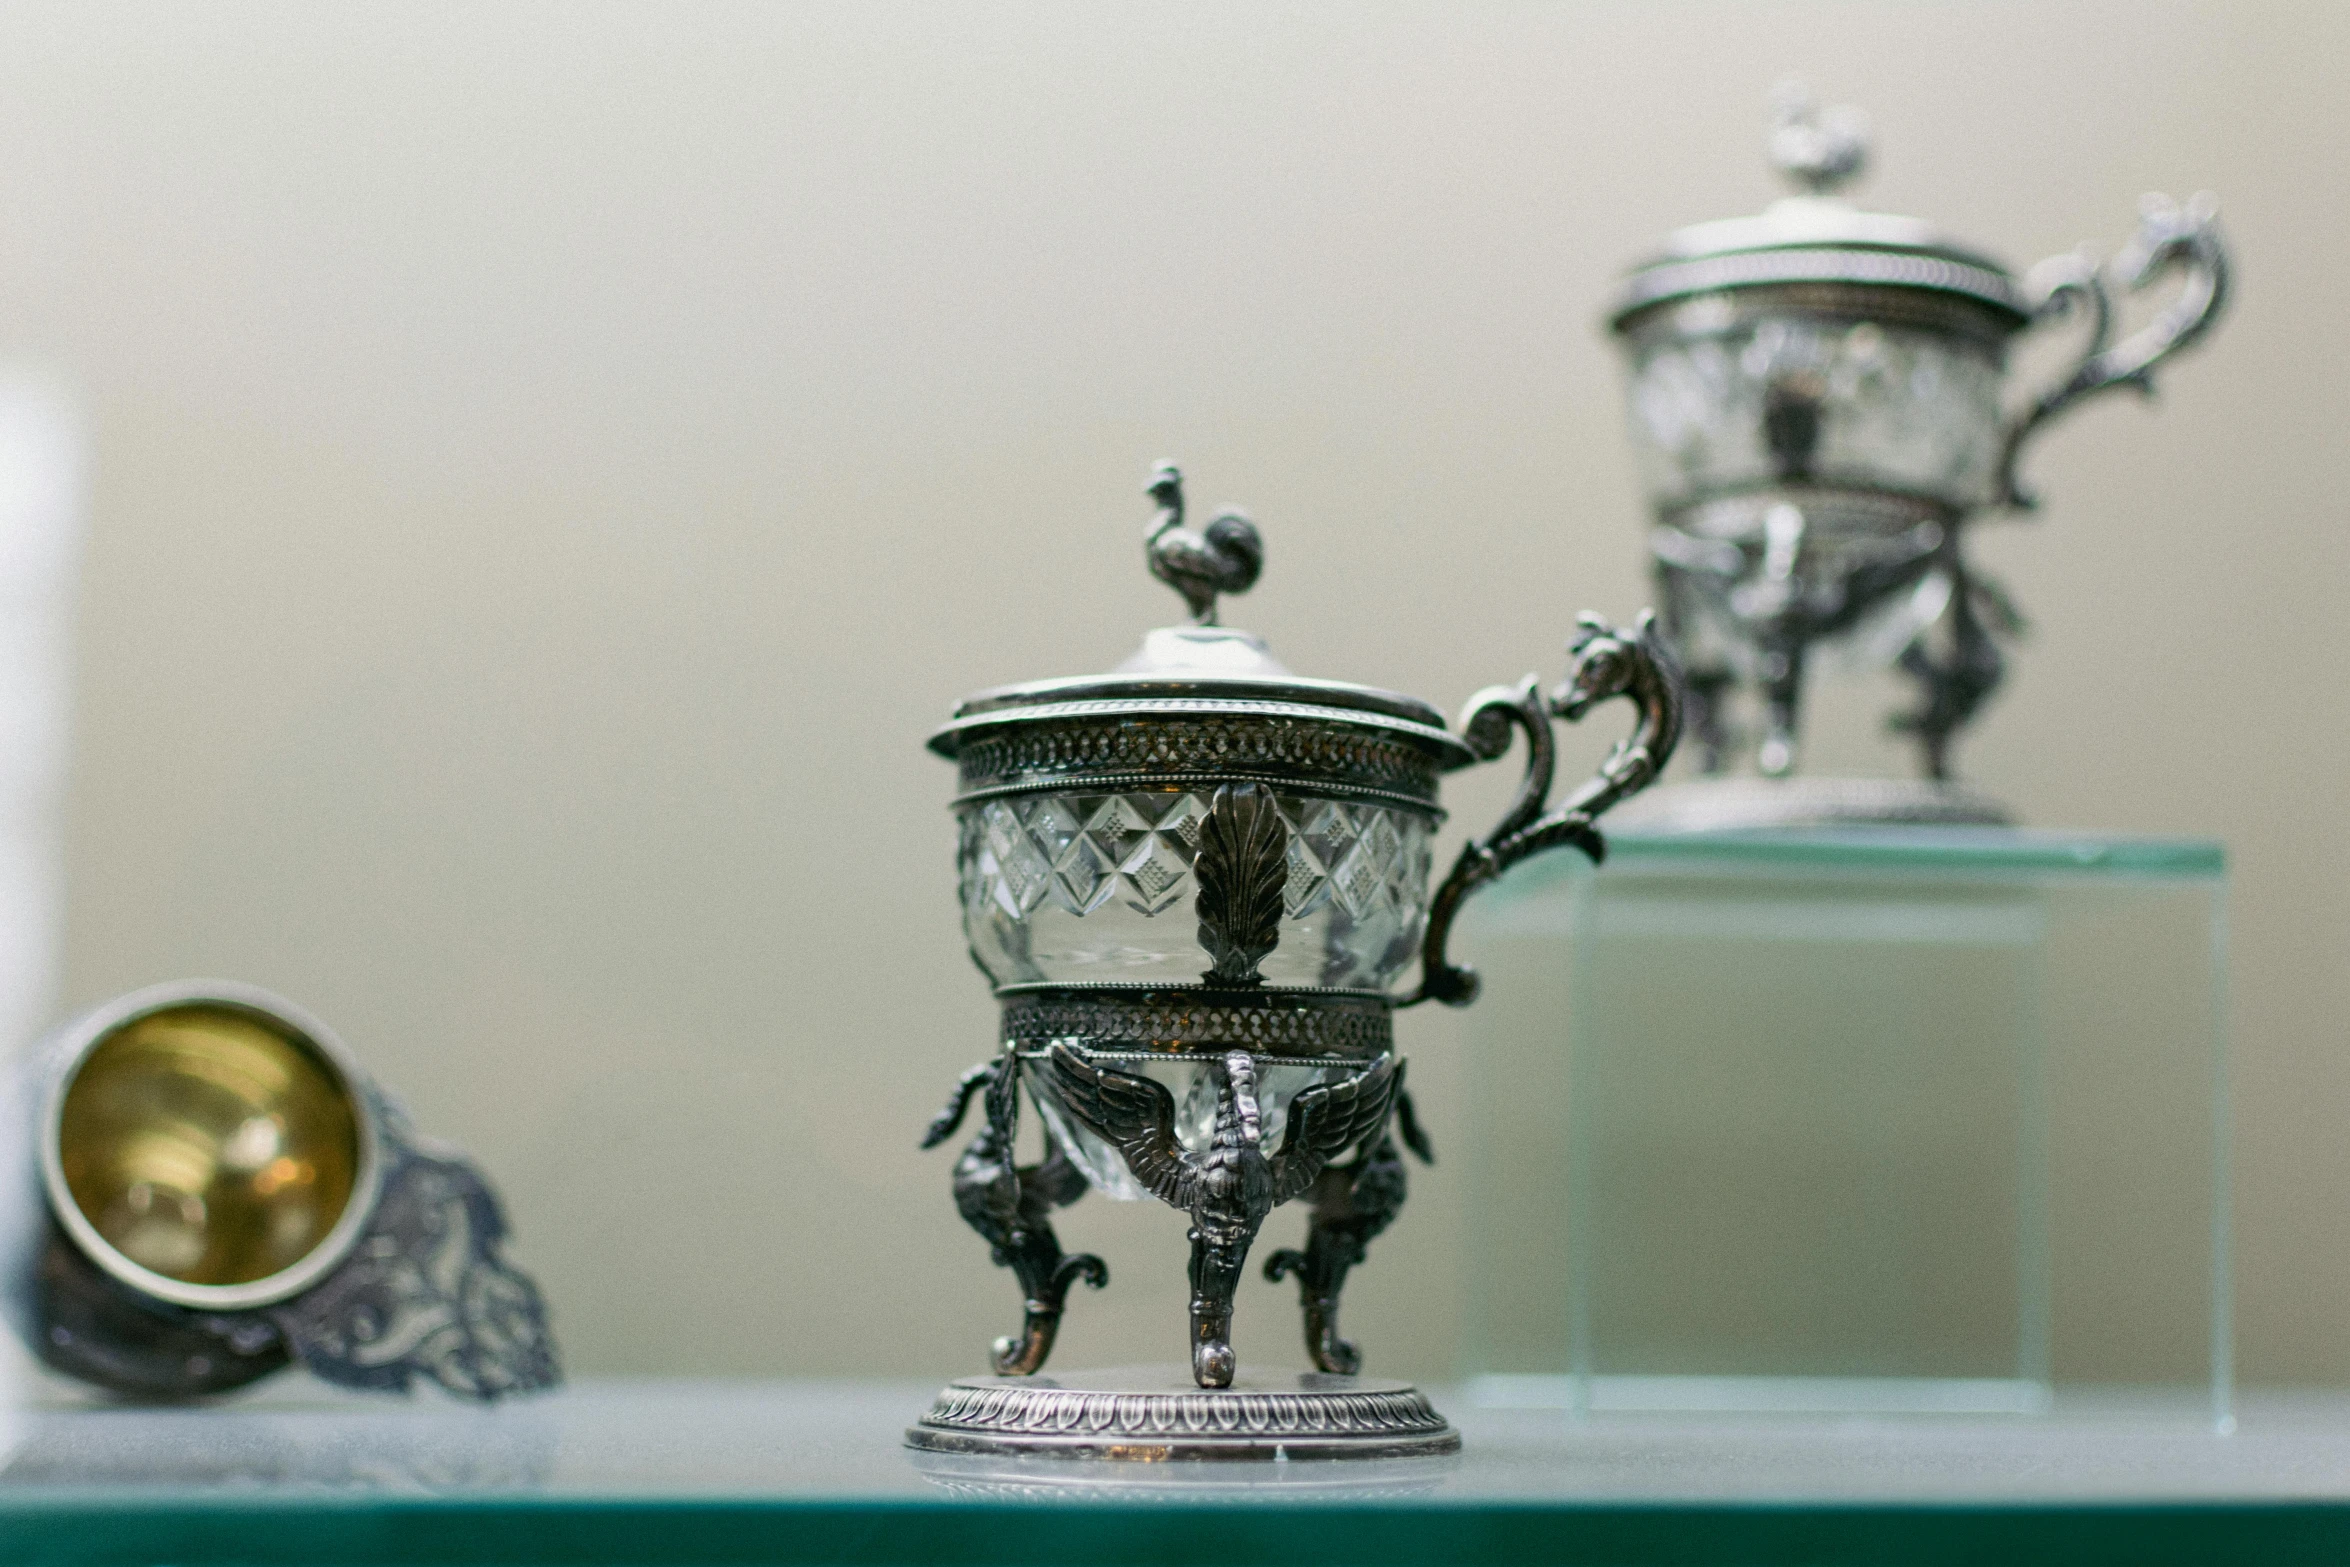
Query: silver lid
[1815, 236]
[1202, 669]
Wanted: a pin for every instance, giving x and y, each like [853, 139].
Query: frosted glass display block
[1915, 1119]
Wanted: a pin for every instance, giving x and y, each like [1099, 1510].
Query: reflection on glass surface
[256, 1450]
[1014, 1479]
[1070, 888]
[208, 1145]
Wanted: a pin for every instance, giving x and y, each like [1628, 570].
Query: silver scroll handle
[1635, 665]
[2168, 236]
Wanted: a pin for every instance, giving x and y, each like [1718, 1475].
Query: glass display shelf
[1871, 1119]
[702, 1472]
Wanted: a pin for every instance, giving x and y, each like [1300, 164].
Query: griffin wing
[1135, 1115]
[1325, 1122]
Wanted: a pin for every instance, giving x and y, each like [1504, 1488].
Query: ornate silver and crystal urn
[1819, 401]
[213, 1189]
[1193, 882]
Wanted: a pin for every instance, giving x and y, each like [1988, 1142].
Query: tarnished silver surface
[409, 1284]
[427, 1294]
[1229, 1187]
[2169, 237]
[1155, 741]
[1608, 664]
[1814, 236]
[1818, 398]
[1192, 886]
[1840, 267]
[1347, 1023]
[1224, 557]
[1154, 1415]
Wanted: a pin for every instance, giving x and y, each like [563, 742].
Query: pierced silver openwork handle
[1634, 665]
[2169, 236]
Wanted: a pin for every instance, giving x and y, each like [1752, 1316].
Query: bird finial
[1816, 146]
[1223, 557]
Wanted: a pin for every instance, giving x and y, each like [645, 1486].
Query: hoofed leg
[1706, 713]
[1034, 1255]
[1010, 1206]
[1951, 689]
[1218, 1253]
[1781, 669]
[1352, 1204]
[1682, 593]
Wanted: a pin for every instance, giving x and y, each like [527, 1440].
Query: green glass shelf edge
[457, 1533]
[1972, 851]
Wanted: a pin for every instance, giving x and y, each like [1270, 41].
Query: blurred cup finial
[1818, 147]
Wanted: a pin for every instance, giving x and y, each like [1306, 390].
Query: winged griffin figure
[1294, 811]
[1230, 1188]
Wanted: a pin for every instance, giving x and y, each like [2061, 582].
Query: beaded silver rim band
[1353, 1025]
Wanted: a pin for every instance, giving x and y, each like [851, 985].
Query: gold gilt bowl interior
[209, 1144]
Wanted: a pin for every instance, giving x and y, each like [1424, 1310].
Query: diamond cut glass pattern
[1070, 888]
[1900, 409]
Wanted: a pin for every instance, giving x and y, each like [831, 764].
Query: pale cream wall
[553, 463]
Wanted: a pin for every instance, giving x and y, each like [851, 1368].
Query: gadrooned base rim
[1153, 1415]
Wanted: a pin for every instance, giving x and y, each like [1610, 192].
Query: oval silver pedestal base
[1153, 1414]
[1726, 804]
